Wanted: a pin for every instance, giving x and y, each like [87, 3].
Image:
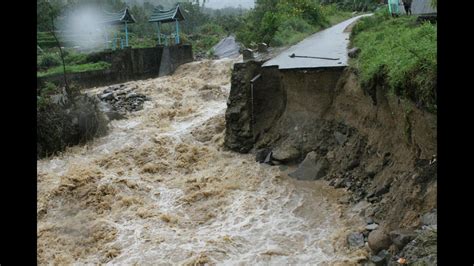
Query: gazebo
[167, 16]
[122, 17]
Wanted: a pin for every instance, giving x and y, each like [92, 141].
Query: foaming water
[160, 189]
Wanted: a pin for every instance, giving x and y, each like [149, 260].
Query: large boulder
[379, 240]
[311, 168]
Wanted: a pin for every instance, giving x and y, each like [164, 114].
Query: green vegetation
[284, 22]
[400, 51]
[354, 5]
[74, 68]
[45, 40]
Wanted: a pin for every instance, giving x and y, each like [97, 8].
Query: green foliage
[208, 35]
[48, 60]
[401, 51]
[74, 58]
[75, 68]
[62, 125]
[142, 28]
[211, 29]
[334, 14]
[284, 22]
[46, 12]
[354, 5]
[45, 40]
[291, 31]
[44, 93]
[194, 17]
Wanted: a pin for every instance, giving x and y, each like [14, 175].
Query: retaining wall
[128, 64]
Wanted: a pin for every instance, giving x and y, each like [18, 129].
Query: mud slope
[377, 145]
[161, 189]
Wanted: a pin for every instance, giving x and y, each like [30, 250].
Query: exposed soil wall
[380, 147]
[239, 130]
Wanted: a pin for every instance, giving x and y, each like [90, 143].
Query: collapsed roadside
[369, 128]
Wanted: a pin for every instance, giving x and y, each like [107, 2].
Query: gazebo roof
[171, 15]
[118, 18]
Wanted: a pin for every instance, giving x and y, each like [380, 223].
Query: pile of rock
[400, 246]
[120, 99]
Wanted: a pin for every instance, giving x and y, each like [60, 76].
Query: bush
[48, 60]
[291, 31]
[59, 126]
[401, 51]
[284, 22]
[358, 5]
[74, 58]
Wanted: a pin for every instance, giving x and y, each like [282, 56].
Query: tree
[49, 13]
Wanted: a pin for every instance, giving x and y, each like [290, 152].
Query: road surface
[329, 43]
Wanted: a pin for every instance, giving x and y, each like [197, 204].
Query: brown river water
[160, 189]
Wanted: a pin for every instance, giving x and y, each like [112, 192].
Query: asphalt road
[329, 44]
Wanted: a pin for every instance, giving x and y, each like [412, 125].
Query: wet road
[330, 43]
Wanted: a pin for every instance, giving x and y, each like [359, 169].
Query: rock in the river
[261, 155]
[131, 95]
[371, 227]
[310, 169]
[378, 240]
[268, 159]
[381, 258]
[430, 218]
[402, 237]
[285, 153]
[355, 240]
[107, 96]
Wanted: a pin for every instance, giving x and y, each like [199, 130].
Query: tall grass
[74, 68]
[401, 51]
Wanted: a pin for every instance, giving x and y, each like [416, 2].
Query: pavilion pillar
[126, 34]
[177, 32]
[159, 33]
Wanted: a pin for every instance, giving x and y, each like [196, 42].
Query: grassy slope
[402, 52]
[74, 68]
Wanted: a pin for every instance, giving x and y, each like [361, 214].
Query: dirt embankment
[379, 146]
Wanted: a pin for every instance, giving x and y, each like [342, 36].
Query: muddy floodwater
[160, 189]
